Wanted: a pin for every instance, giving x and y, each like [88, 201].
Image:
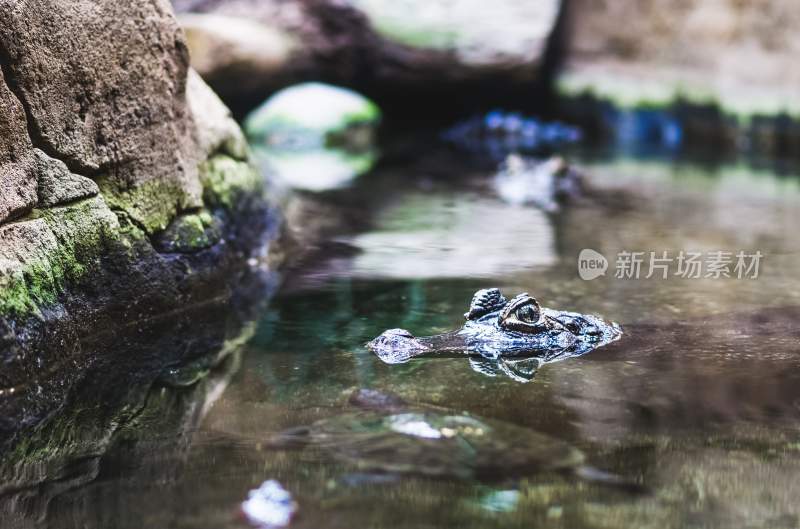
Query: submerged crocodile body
[497, 328]
[381, 433]
[499, 133]
[381, 437]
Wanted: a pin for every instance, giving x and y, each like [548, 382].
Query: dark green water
[698, 402]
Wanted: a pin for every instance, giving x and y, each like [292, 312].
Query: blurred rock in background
[739, 54]
[409, 53]
[724, 69]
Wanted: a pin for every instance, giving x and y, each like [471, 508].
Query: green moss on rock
[52, 247]
[226, 179]
[189, 233]
[150, 205]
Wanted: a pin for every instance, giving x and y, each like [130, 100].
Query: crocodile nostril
[593, 331]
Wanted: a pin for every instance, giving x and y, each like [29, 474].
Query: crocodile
[498, 329]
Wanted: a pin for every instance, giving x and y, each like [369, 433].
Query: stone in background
[408, 52]
[741, 55]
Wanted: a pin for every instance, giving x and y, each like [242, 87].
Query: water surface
[698, 403]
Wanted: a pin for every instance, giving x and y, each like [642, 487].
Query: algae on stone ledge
[39, 256]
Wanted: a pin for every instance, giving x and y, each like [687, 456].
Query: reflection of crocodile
[497, 328]
[543, 183]
[499, 133]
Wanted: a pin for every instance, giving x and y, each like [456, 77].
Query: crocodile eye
[522, 314]
[528, 314]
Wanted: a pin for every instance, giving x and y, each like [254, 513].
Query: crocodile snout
[397, 346]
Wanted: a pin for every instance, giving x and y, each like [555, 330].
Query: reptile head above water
[497, 327]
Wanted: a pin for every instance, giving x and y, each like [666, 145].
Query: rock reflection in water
[61, 472]
[315, 170]
[128, 422]
[425, 236]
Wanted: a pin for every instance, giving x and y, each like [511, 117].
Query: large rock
[125, 186]
[382, 48]
[103, 87]
[16, 158]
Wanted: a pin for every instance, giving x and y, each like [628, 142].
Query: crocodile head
[496, 327]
